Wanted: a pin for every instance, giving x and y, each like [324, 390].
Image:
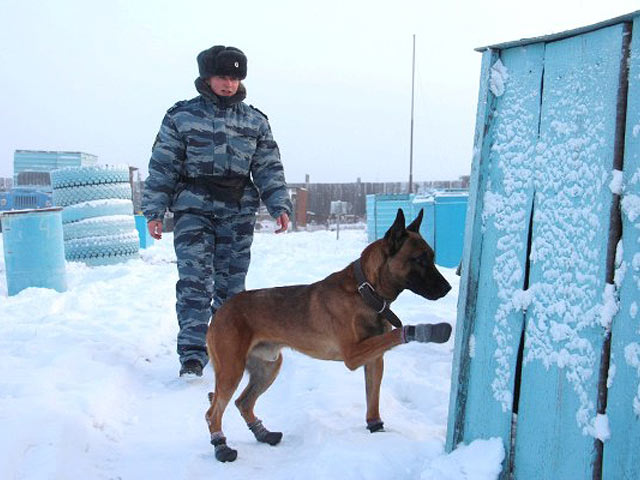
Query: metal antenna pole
[413, 75]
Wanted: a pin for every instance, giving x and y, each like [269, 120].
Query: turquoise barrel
[34, 249]
[146, 240]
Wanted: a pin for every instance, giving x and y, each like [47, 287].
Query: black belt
[228, 189]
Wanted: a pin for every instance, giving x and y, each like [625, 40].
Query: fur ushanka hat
[222, 61]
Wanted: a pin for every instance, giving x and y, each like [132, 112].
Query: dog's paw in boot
[375, 426]
[427, 332]
[262, 434]
[223, 452]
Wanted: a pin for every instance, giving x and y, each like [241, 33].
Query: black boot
[263, 435]
[375, 426]
[223, 452]
[191, 367]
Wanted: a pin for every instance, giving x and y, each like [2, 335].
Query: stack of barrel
[97, 218]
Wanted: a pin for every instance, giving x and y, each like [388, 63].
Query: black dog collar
[371, 297]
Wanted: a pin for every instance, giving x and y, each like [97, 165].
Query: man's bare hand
[155, 229]
[283, 223]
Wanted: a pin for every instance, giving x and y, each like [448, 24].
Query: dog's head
[410, 260]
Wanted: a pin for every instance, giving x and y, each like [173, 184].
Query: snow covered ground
[89, 385]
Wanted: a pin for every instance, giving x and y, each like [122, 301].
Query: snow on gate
[548, 334]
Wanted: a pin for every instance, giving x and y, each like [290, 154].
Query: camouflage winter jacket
[214, 156]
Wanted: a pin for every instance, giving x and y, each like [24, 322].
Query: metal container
[428, 225]
[382, 210]
[443, 221]
[450, 217]
[34, 249]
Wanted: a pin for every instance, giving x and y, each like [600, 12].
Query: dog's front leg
[373, 377]
[358, 354]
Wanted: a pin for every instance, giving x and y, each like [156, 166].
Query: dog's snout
[445, 287]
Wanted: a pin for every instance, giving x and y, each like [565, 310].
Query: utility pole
[413, 75]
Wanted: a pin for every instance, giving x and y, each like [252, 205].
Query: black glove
[426, 332]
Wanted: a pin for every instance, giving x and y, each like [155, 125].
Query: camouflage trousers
[213, 258]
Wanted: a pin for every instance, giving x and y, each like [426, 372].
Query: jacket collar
[222, 102]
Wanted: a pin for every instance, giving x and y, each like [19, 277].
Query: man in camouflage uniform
[213, 160]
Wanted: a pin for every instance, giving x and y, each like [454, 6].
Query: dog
[345, 317]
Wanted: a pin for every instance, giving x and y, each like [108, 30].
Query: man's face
[224, 86]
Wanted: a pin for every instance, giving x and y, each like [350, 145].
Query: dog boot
[262, 434]
[426, 332]
[191, 367]
[223, 452]
[375, 426]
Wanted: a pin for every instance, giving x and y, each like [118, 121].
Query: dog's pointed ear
[415, 225]
[396, 234]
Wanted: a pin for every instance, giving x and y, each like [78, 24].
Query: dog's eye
[421, 260]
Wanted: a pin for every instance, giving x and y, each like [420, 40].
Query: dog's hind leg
[262, 373]
[228, 374]
[373, 377]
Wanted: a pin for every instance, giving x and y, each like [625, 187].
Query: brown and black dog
[331, 319]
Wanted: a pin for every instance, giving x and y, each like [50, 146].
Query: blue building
[32, 167]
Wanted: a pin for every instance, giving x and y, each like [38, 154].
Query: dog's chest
[370, 328]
